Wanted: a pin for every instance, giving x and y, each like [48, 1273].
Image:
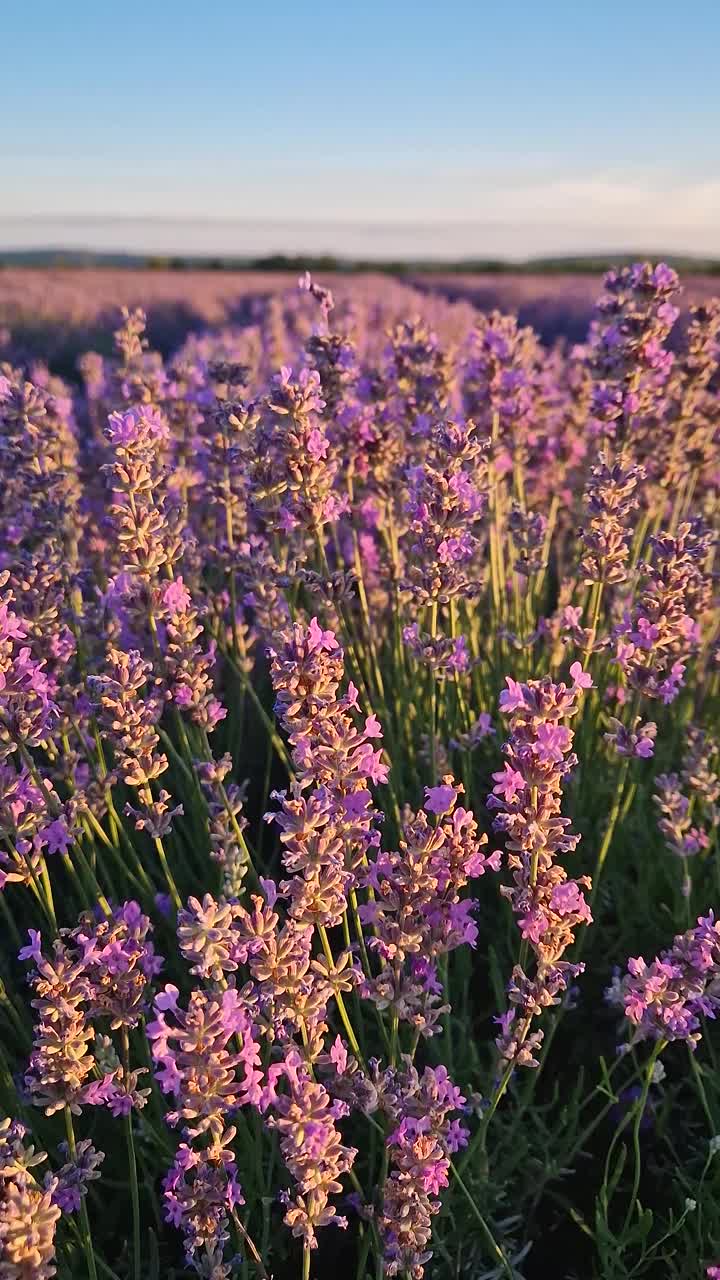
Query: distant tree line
[325, 263]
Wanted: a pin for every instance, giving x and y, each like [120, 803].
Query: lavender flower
[76, 1174]
[422, 1139]
[61, 1065]
[675, 823]
[628, 357]
[193, 1060]
[417, 912]
[610, 500]
[327, 833]
[146, 527]
[201, 1193]
[305, 1119]
[29, 1211]
[445, 507]
[666, 999]
[120, 964]
[527, 795]
[189, 667]
[655, 644]
[130, 711]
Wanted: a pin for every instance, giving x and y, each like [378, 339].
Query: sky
[485, 128]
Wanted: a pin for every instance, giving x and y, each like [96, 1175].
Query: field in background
[57, 313]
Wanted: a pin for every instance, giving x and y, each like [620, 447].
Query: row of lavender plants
[358, 739]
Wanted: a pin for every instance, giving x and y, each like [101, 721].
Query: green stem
[498, 1253]
[84, 1220]
[132, 1163]
[342, 1010]
[250, 1246]
[657, 1050]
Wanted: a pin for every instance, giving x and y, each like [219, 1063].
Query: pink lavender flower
[445, 508]
[201, 1193]
[189, 664]
[312, 1148]
[417, 912]
[61, 1065]
[195, 1063]
[481, 729]
[327, 833]
[145, 523]
[27, 709]
[29, 1211]
[637, 739]
[420, 1144]
[610, 500]
[499, 379]
[120, 964]
[290, 988]
[527, 797]
[24, 824]
[418, 374]
[666, 999]
[655, 644]
[628, 357]
[130, 706]
[682, 837]
[302, 466]
[446, 656]
[226, 821]
[209, 939]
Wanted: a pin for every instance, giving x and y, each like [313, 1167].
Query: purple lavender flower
[194, 1062]
[312, 1148]
[29, 1210]
[201, 1193]
[416, 912]
[527, 797]
[421, 1141]
[666, 999]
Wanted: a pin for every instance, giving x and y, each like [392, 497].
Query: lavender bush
[359, 795]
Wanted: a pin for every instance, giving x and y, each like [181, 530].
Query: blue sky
[485, 128]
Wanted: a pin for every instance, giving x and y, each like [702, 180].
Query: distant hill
[593, 264]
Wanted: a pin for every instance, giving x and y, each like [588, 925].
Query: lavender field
[55, 314]
[359, 777]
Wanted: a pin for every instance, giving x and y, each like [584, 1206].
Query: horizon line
[348, 258]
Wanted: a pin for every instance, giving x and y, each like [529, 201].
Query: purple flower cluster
[445, 508]
[327, 821]
[27, 710]
[423, 1137]
[305, 1118]
[675, 822]
[208, 1060]
[208, 1079]
[416, 910]
[655, 644]
[499, 381]
[629, 359]
[130, 704]
[201, 1195]
[189, 668]
[666, 999]
[99, 972]
[527, 798]
[445, 656]
[611, 499]
[29, 1210]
